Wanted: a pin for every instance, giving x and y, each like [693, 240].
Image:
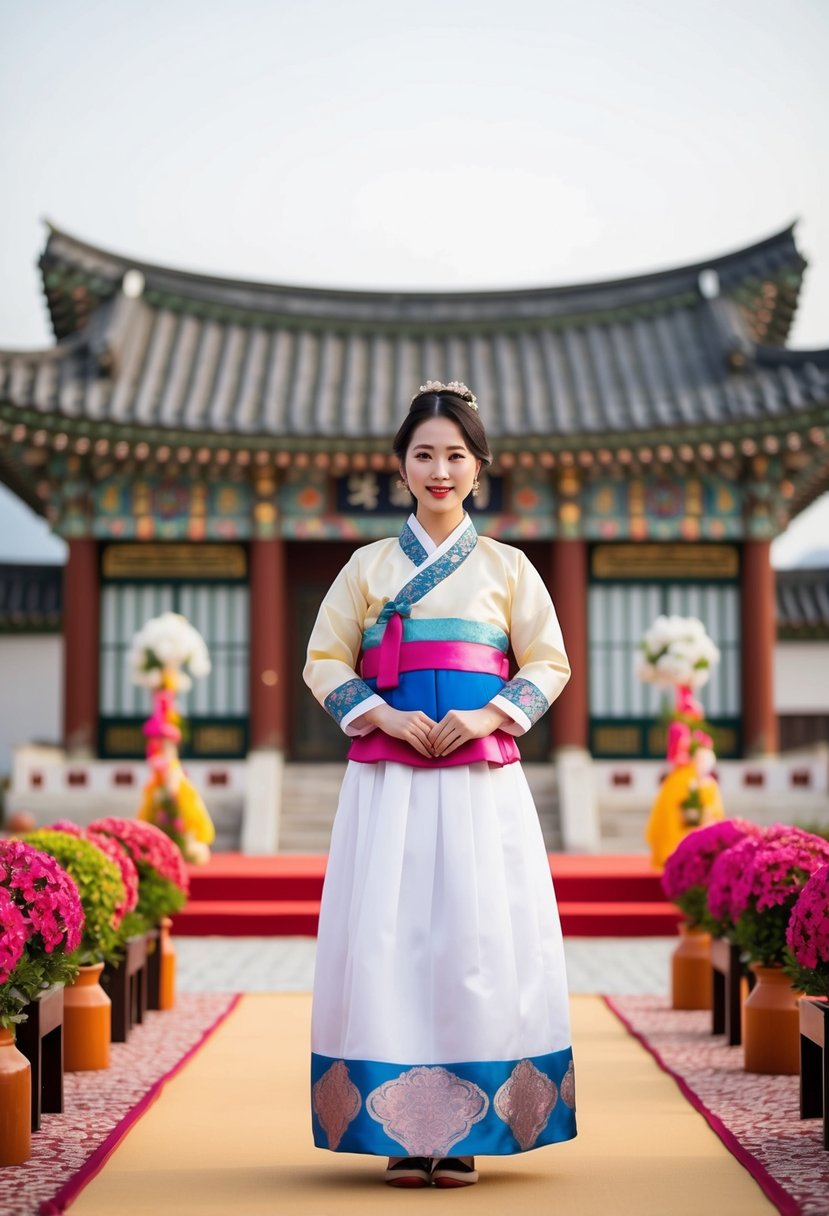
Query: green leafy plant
[157, 897]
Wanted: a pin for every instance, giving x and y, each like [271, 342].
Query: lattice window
[220, 612]
[619, 615]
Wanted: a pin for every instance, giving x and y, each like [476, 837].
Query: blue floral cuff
[343, 699]
[524, 695]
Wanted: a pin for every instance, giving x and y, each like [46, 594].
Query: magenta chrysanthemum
[45, 894]
[116, 853]
[726, 872]
[691, 862]
[778, 868]
[808, 932]
[13, 935]
[147, 845]
[66, 825]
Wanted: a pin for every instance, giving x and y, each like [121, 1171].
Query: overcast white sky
[366, 144]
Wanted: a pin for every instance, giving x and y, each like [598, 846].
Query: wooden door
[311, 567]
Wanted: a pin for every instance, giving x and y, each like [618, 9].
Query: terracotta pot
[691, 977]
[87, 1022]
[167, 971]
[15, 1103]
[771, 1023]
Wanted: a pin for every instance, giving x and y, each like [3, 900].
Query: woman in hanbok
[440, 1025]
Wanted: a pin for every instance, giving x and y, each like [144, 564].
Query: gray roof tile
[803, 601]
[219, 357]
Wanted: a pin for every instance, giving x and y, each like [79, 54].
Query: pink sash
[432, 656]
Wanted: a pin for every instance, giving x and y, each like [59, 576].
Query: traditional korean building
[219, 447]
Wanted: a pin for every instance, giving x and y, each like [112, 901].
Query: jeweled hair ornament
[454, 386]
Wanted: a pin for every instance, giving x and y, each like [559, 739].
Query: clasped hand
[435, 739]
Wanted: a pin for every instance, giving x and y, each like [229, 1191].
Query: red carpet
[278, 896]
[756, 1117]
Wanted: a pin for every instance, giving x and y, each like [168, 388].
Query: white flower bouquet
[168, 644]
[677, 652]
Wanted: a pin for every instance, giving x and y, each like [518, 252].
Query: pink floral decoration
[691, 862]
[147, 845]
[115, 852]
[45, 894]
[686, 702]
[726, 872]
[808, 932]
[679, 743]
[778, 868]
[13, 935]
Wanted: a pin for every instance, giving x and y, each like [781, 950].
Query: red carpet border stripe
[101, 1107]
[726, 1096]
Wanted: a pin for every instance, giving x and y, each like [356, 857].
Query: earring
[475, 488]
[402, 485]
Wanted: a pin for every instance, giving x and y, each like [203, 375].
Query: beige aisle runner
[230, 1136]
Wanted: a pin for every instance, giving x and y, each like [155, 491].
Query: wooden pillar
[268, 623]
[757, 619]
[568, 588]
[81, 617]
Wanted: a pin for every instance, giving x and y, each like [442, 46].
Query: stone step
[805, 809]
[310, 793]
[82, 807]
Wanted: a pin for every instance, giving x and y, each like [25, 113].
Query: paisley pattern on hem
[336, 1101]
[412, 547]
[497, 1107]
[525, 1102]
[527, 697]
[427, 1109]
[343, 699]
[568, 1087]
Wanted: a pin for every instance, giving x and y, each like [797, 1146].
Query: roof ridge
[718, 261]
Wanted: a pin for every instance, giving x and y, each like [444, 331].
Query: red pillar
[569, 713]
[758, 636]
[268, 622]
[81, 617]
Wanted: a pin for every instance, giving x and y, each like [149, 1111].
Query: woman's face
[439, 469]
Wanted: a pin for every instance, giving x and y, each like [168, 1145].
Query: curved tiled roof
[31, 598]
[77, 276]
[803, 602]
[191, 355]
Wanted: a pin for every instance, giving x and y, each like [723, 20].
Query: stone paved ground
[286, 964]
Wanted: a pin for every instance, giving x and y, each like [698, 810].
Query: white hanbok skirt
[440, 1014]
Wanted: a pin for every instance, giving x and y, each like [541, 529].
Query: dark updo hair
[443, 405]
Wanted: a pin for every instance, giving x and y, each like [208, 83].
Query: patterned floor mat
[756, 1117]
[100, 1107]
